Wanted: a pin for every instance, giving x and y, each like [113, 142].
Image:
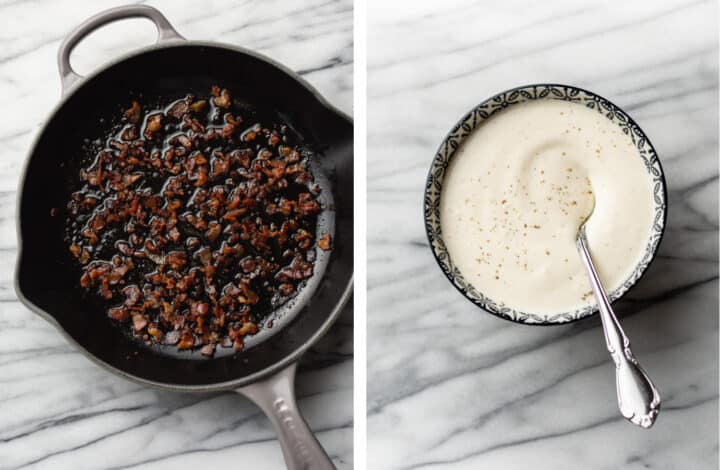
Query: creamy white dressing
[519, 187]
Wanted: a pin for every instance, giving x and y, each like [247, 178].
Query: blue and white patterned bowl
[485, 110]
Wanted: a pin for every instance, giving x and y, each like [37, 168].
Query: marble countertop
[57, 409]
[454, 388]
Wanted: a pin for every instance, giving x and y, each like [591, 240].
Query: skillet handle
[276, 397]
[68, 76]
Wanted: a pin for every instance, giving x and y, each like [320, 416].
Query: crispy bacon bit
[193, 245]
[222, 100]
[307, 204]
[129, 132]
[248, 328]
[178, 109]
[214, 231]
[154, 124]
[184, 141]
[243, 157]
[248, 265]
[297, 270]
[119, 313]
[155, 332]
[176, 259]
[248, 296]
[303, 239]
[174, 235]
[231, 127]
[286, 289]
[187, 341]
[199, 106]
[171, 337]
[208, 349]
[133, 113]
[132, 295]
[234, 214]
[249, 136]
[203, 308]
[324, 242]
[139, 322]
[129, 179]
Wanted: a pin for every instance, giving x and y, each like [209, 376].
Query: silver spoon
[638, 399]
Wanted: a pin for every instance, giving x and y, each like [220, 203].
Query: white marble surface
[58, 410]
[454, 388]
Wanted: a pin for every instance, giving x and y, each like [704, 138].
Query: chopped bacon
[191, 225]
[178, 109]
[222, 99]
[199, 106]
[129, 132]
[154, 124]
[324, 242]
[133, 113]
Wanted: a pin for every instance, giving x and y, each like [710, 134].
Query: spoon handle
[638, 399]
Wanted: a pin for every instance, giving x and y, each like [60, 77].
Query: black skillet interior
[46, 277]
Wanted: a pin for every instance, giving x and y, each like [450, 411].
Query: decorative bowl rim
[560, 92]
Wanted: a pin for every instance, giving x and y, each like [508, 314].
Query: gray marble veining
[452, 387]
[57, 409]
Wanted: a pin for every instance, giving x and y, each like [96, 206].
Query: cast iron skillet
[45, 280]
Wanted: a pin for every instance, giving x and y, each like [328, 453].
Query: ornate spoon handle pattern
[638, 399]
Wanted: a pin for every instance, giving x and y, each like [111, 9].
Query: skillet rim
[276, 367]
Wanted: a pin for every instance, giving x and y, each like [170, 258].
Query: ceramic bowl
[484, 111]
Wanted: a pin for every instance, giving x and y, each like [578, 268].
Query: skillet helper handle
[68, 76]
[276, 397]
